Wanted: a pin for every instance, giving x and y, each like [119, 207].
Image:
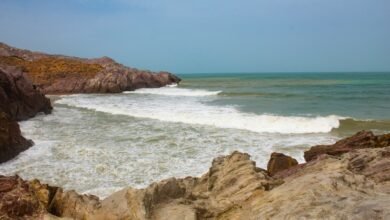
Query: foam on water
[171, 90]
[99, 153]
[197, 110]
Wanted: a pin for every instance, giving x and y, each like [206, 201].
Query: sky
[208, 36]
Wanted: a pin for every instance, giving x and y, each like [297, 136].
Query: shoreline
[235, 188]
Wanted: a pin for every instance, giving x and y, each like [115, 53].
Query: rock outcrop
[279, 162]
[19, 100]
[327, 188]
[54, 74]
[18, 97]
[11, 140]
[353, 185]
[230, 181]
[363, 139]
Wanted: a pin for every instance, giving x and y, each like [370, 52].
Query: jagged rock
[11, 140]
[21, 199]
[362, 139]
[371, 164]
[279, 162]
[19, 100]
[18, 97]
[327, 188]
[56, 74]
[230, 181]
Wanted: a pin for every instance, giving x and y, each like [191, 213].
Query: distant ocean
[99, 143]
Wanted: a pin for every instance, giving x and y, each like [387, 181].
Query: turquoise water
[363, 99]
[100, 143]
[356, 95]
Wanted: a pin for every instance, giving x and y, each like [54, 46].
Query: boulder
[279, 162]
[362, 139]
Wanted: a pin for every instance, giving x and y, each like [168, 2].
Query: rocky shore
[25, 77]
[19, 100]
[57, 74]
[352, 184]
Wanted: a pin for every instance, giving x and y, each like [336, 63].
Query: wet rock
[362, 139]
[279, 162]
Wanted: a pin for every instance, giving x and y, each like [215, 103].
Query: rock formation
[353, 185]
[279, 162]
[11, 140]
[18, 97]
[363, 139]
[19, 100]
[55, 74]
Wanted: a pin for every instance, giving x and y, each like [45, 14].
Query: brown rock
[19, 100]
[56, 74]
[18, 200]
[279, 162]
[18, 97]
[11, 140]
[362, 139]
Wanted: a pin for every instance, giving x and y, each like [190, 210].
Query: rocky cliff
[354, 184]
[18, 97]
[19, 100]
[62, 74]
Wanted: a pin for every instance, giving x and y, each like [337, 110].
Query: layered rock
[62, 74]
[363, 139]
[230, 181]
[327, 188]
[18, 97]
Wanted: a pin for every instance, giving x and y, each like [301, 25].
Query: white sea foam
[171, 90]
[100, 153]
[196, 111]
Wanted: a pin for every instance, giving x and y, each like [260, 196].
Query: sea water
[100, 143]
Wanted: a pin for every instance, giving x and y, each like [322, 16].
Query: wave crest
[172, 90]
[192, 111]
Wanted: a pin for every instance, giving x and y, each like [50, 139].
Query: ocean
[100, 143]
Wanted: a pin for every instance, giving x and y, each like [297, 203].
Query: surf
[195, 111]
[172, 90]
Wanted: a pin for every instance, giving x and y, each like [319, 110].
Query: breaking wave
[194, 111]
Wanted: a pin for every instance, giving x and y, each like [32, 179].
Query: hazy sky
[208, 35]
